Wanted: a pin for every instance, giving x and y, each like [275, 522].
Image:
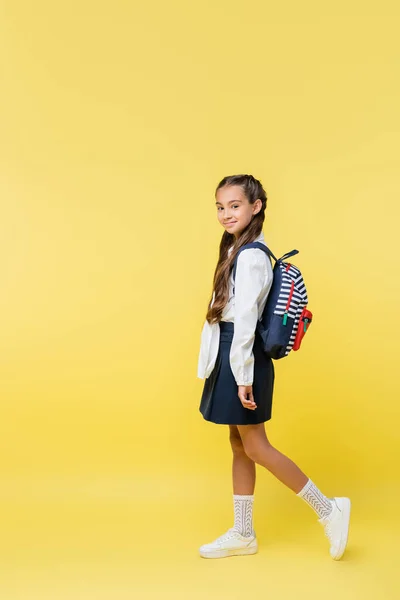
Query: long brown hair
[252, 189]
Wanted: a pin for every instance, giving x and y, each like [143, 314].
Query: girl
[240, 377]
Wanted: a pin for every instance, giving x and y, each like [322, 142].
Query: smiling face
[234, 211]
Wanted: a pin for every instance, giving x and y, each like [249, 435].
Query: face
[234, 211]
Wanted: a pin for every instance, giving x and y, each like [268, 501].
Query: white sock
[316, 499]
[243, 507]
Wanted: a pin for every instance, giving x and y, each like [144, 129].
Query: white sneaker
[336, 526]
[231, 543]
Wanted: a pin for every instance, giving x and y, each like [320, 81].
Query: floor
[85, 537]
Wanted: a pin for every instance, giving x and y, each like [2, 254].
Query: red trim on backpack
[290, 296]
[304, 324]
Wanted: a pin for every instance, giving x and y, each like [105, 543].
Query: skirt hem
[223, 423]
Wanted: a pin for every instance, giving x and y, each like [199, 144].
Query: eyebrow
[230, 201]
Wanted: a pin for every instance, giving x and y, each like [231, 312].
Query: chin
[232, 229]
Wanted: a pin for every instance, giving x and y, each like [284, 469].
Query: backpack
[285, 318]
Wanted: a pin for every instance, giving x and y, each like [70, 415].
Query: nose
[227, 216]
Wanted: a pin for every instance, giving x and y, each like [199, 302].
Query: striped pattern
[316, 499]
[243, 509]
[292, 279]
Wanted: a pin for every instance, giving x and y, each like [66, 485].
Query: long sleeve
[251, 280]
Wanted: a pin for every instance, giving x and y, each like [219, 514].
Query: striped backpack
[285, 318]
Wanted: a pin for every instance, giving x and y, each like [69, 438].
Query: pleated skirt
[220, 402]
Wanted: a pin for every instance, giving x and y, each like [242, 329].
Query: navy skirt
[220, 402]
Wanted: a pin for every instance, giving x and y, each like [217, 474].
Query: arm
[251, 275]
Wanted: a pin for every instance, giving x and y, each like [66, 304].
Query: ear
[257, 206]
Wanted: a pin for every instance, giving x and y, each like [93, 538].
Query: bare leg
[259, 450]
[241, 538]
[334, 514]
[243, 467]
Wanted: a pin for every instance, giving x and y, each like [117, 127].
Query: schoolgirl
[239, 376]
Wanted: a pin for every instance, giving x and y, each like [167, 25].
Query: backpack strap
[288, 254]
[267, 251]
[253, 245]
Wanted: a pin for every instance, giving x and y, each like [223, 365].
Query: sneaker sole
[346, 509]
[230, 552]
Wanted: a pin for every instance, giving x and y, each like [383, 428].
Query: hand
[243, 392]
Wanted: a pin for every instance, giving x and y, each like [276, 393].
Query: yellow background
[117, 122]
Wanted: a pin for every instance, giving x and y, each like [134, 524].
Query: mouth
[229, 224]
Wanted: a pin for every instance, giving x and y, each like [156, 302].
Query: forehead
[230, 192]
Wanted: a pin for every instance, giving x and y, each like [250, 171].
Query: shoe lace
[231, 533]
[328, 529]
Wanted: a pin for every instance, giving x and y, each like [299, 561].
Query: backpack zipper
[285, 315]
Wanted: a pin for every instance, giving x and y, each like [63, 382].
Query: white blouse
[254, 276]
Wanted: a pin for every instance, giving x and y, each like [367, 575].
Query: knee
[259, 450]
[250, 447]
